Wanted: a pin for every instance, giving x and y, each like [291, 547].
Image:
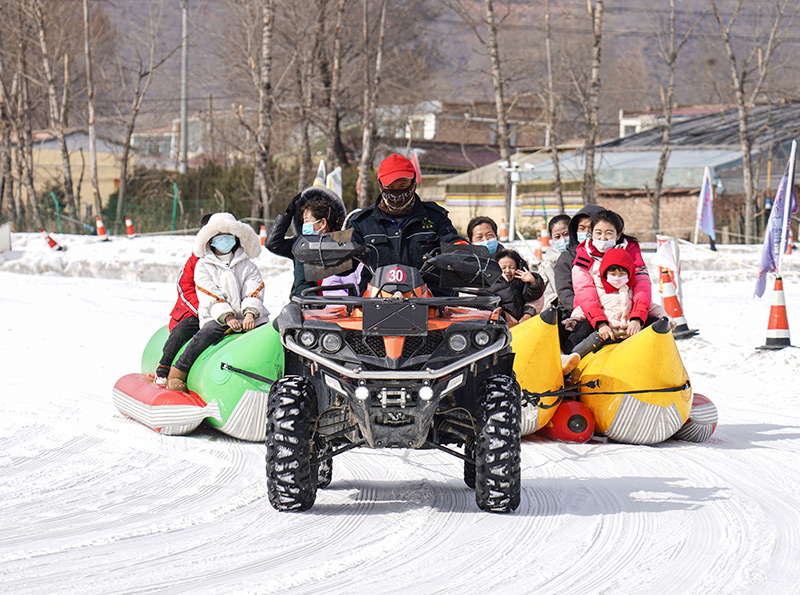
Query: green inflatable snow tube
[242, 400]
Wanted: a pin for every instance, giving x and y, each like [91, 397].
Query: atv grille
[416, 346]
[365, 345]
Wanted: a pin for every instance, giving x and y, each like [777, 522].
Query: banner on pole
[415, 162]
[777, 232]
[319, 180]
[705, 212]
[333, 181]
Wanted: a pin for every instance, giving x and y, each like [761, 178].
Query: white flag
[334, 181]
[320, 179]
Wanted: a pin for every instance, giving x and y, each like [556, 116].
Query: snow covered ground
[93, 502]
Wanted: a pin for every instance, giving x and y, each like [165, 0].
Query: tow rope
[253, 375]
[570, 391]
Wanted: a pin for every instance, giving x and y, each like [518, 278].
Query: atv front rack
[479, 302]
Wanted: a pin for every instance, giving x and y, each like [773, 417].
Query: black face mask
[398, 199]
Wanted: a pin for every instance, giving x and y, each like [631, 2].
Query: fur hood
[338, 211]
[227, 223]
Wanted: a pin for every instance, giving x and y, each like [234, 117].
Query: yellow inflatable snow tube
[648, 361]
[537, 365]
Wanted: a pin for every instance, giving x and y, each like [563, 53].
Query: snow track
[94, 503]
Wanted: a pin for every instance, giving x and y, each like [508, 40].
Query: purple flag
[776, 231]
[704, 209]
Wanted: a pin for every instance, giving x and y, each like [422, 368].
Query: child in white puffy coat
[230, 291]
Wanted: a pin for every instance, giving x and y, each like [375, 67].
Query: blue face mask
[582, 235]
[561, 244]
[491, 245]
[308, 228]
[224, 243]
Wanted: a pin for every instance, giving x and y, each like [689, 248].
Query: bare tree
[669, 54]
[593, 101]
[87, 50]
[141, 70]
[57, 113]
[753, 63]
[551, 110]
[372, 82]
[333, 142]
[24, 125]
[265, 101]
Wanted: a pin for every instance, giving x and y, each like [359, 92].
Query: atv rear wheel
[497, 446]
[291, 477]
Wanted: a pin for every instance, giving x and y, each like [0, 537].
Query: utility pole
[183, 149]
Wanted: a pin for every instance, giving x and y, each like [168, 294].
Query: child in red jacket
[183, 322]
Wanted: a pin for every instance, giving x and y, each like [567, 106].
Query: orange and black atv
[396, 368]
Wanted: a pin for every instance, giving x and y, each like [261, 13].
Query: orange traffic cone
[778, 327]
[503, 231]
[544, 237]
[789, 243]
[129, 227]
[262, 235]
[50, 241]
[101, 230]
[537, 249]
[673, 307]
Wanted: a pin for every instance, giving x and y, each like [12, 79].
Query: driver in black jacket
[400, 228]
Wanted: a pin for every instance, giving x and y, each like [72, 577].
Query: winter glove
[291, 208]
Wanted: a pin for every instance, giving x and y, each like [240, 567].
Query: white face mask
[582, 235]
[604, 245]
[617, 281]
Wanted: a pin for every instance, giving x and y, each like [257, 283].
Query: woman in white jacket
[230, 291]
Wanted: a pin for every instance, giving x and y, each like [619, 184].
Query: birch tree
[593, 101]
[57, 112]
[87, 51]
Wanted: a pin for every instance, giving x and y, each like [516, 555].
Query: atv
[394, 368]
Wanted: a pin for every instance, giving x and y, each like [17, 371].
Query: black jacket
[403, 241]
[510, 294]
[563, 267]
[279, 244]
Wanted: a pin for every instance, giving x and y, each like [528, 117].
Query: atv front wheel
[324, 468]
[291, 477]
[469, 466]
[497, 446]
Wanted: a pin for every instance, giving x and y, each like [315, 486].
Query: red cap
[394, 167]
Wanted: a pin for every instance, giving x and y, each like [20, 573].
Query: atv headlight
[481, 338]
[307, 339]
[457, 342]
[331, 342]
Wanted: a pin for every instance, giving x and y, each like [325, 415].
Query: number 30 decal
[396, 275]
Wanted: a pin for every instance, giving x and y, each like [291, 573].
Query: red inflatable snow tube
[572, 422]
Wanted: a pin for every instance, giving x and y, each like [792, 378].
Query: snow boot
[569, 362]
[177, 380]
[161, 375]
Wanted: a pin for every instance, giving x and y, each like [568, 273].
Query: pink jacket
[587, 284]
